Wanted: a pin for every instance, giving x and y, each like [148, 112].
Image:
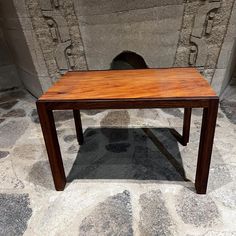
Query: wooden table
[128, 89]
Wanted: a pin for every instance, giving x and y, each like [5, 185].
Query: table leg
[53, 149]
[184, 138]
[205, 146]
[78, 126]
[186, 126]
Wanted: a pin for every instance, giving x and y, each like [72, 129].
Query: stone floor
[119, 181]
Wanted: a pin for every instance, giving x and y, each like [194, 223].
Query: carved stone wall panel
[61, 56]
[200, 28]
[77, 45]
[56, 3]
[57, 30]
[60, 24]
[45, 5]
[219, 30]
[201, 50]
[180, 32]
[184, 45]
[201, 16]
[204, 27]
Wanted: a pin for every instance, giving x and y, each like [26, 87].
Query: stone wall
[58, 33]
[148, 28]
[8, 73]
[227, 58]
[202, 33]
[23, 46]
[80, 35]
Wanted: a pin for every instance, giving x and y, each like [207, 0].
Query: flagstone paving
[119, 181]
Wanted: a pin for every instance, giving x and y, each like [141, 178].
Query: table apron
[125, 104]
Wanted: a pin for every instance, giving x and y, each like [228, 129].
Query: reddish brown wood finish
[53, 149]
[150, 88]
[184, 138]
[130, 84]
[205, 146]
[186, 125]
[78, 126]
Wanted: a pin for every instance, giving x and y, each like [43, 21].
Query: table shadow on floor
[128, 153]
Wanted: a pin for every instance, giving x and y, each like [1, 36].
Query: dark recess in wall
[128, 60]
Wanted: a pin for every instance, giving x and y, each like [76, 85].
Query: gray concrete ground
[119, 182]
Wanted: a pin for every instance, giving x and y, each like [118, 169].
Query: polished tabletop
[157, 84]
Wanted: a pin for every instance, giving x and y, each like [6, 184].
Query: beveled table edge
[134, 103]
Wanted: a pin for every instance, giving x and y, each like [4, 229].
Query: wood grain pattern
[130, 84]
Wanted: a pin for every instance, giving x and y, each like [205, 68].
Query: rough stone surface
[218, 233]
[229, 108]
[11, 131]
[14, 213]
[226, 195]
[220, 176]
[73, 149]
[228, 103]
[194, 13]
[12, 95]
[69, 138]
[67, 32]
[3, 154]
[154, 216]
[148, 114]
[92, 112]
[8, 178]
[110, 217]
[8, 105]
[198, 210]
[118, 180]
[116, 117]
[33, 151]
[15, 113]
[174, 112]
[58, 116]
[40, 174]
